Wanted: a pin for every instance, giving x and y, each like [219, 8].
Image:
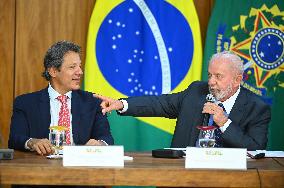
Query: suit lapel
[45, 117]
[238, 109]
[75, 110]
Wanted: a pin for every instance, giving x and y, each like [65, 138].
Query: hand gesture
[108, 104]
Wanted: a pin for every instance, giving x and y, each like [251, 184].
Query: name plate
[216, 158]
[100, 156]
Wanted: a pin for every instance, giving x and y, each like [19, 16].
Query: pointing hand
[108, 104]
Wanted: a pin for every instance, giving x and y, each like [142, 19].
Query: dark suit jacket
[250, 116]
[31, 118]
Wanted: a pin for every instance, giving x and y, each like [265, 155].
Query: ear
[52, 71]
[238, 79]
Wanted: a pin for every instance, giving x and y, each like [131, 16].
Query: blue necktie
[218, 132]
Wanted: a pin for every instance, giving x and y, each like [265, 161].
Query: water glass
[58, 140]
[206, 137]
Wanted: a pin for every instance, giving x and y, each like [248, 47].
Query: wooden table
[144, 170]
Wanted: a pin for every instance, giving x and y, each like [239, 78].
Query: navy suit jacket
[250, 116]
[31, 119]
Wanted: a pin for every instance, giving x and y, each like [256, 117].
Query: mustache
[213, 90]
[217, 93]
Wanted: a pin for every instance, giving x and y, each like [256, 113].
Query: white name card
[216, 158]
[100, 156]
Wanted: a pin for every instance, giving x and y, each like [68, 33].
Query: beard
[221, 94]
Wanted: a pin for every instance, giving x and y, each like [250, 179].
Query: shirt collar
[53, 94]
[228, 104]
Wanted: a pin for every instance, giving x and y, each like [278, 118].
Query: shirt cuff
[104, 142]
[125, 106]
[225, 126]
[26, 145]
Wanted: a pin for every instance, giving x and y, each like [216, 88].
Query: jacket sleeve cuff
[226, 125]
[125, 106]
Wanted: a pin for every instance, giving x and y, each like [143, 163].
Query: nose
[79, 71]
[211, 80]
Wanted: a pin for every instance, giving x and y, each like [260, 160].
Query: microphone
[209, 98]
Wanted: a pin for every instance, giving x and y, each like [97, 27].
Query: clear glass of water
[58, 140]
[206, 137]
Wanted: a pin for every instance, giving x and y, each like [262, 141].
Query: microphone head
[210, 98]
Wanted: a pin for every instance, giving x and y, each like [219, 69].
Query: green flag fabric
[254, 31]
[139, 48]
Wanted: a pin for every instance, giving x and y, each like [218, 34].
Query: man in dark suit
[242, 119]
[34, 113]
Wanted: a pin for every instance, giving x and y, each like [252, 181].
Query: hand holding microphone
[212, 107]
[210, 99]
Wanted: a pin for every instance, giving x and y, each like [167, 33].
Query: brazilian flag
[254, 31]
[142, 47]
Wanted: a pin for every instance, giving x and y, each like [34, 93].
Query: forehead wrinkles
[221, 65]
[72, 58]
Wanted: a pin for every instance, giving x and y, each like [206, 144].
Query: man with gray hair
[240, 116]
[61, 103]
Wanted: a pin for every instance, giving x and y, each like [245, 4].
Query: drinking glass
[57, 137]
[206, 137]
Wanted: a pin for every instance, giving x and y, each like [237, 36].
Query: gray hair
[236, 61]
[55, 55]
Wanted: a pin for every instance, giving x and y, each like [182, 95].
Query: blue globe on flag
[144, 52]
